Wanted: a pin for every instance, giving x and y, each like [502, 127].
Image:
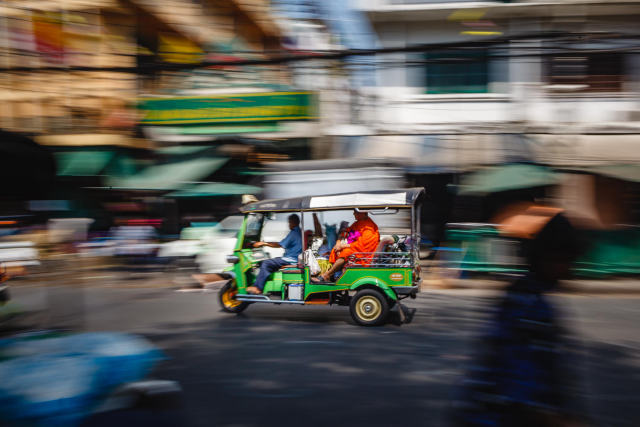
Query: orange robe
[367, 242]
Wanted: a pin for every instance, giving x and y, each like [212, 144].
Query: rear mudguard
[375, 282]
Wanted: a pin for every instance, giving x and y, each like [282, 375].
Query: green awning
[183, 149]
[82, 163]
[215, 189]
[169, 176]
[506, 177]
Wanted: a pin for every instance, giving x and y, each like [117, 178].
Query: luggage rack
[379, 259]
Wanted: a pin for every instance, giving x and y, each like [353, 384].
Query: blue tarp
[59, 381]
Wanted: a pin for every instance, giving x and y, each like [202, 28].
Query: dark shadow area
[611, 380]
[286, 366]
[28, 169]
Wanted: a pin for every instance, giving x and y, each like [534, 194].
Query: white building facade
[560, 100]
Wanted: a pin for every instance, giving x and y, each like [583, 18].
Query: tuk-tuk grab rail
[380, 259]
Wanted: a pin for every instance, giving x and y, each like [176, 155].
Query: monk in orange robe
[361, 236]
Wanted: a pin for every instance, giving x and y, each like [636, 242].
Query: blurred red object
[154, 222]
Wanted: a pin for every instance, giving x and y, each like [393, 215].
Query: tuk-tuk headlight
[232, 259]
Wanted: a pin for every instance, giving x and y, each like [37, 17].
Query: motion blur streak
[137, 135]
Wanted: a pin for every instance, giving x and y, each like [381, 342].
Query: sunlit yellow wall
[105, 33]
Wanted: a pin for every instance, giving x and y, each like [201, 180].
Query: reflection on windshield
[231, 223]
[254, 226]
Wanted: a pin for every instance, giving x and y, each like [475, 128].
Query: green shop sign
[254, 107]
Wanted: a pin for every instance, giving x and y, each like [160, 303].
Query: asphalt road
[311, 366]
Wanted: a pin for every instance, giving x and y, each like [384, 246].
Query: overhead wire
[353, 55]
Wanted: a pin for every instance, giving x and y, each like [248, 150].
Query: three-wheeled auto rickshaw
[371, 283]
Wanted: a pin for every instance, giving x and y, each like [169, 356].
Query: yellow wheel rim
[368, 308]
[228, 298]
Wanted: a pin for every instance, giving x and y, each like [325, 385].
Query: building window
[457, 72]
[599, 72]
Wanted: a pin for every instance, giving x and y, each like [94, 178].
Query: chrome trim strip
[264, 298]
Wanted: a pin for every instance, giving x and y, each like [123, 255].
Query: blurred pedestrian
[520, 377]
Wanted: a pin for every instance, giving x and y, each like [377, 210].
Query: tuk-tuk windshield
[253, 228]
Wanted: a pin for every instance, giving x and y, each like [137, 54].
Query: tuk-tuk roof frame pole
[413, 231]
[416, 232]
[302, 235]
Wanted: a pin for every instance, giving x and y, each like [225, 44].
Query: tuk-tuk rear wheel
[369, 308]
[227, 300]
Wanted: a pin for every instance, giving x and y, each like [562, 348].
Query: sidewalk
[613, 286]
[89, 273]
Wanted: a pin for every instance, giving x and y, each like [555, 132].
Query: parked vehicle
[217, 244]
[135, 243]
[19, 254]
[4, 289]
[189, 245]
[371, 283]
[205, 246]
[129, 242]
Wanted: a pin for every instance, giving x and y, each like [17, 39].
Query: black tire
[227, 300]
[369, 308]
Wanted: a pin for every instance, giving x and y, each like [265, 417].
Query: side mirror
[232, 259]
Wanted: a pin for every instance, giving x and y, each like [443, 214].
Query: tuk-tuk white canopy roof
[401, 198]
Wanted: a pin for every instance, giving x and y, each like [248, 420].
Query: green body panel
[245, 260]
[243, 267]
[387, 276]
[313, 288]
[275, 283]
[292, 278]
[380, 277]
[376, 282]
[241, 234]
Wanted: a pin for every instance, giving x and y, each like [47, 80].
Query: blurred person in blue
[520, 377]
[292, 245]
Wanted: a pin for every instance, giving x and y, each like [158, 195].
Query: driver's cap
[248, 198]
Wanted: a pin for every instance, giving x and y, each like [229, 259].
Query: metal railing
[380, 259]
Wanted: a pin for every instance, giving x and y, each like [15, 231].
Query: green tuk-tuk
[371, 285]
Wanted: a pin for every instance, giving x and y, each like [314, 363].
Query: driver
[292, 245]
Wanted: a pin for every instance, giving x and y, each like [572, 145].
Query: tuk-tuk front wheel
[227, 299]
[369, 308]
